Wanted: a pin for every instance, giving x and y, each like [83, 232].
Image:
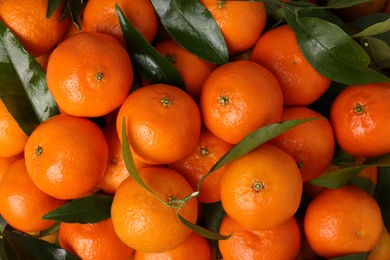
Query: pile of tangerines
[176, 137]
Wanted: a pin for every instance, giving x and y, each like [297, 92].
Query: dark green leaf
[23, 246]
[361, 256]
[212, 216]
[363, 183]
[202, 231]
[89, 209]
[383, 194]
[339, 178]
[153, 67]
[335, 4]
[129, 162]
[50, 230]
[23, 89]
[52, 5]
[256, 138]
[253, 140]
[191, 25]
[75, 8]
[378, 50]
[331, 51]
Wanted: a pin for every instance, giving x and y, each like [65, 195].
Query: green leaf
[336, 4]
[331, 51]
[383, 194]
[256, 138]
[23, 89]
[191, 25]
[201, 230]
[253, 140]
[130, 165]
[89, 209]
[212, 216]
[339, 178]
[148, 62]
[75, 9]
[378, 50]
[378, 28]
[363, 183]
[50, 230]
[23, 246]
[52, 5]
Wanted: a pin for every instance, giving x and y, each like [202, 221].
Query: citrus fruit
[89, 74]
[162, 122]
[241, 23]
[93, 241]
[27, 20]
[66, 156]
[199, 161]
[12, 137]
[194, 247]
[360, 120]
[231, 105]
[261, 189]
[101, 16]
[192, 69]
[342, 221]
[278, 51]
[311, 144]
[282, 242]
[22, 203]
[142, 221]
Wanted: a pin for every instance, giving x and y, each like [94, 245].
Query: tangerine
[231, 105]
[66, 156]
[162, 122]
[89, 74]
[146, 224]
[261, 189]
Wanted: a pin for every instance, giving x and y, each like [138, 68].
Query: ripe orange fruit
[12, 137]
[342, 221]
[66, 156]
[93, 241]
[101, 16]
[311, 144]
[116, 171]
[197, 164]
[359, 116]
[262, 189]
[193, 70]
[241, 23]
[27, 20]
[194, 247]
[278, 51]
[142, 221]
[230, 102]
[89, 74]
[22, 203]
[162, 121]
[282, 242]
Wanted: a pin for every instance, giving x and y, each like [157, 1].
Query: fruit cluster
[170, 129]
